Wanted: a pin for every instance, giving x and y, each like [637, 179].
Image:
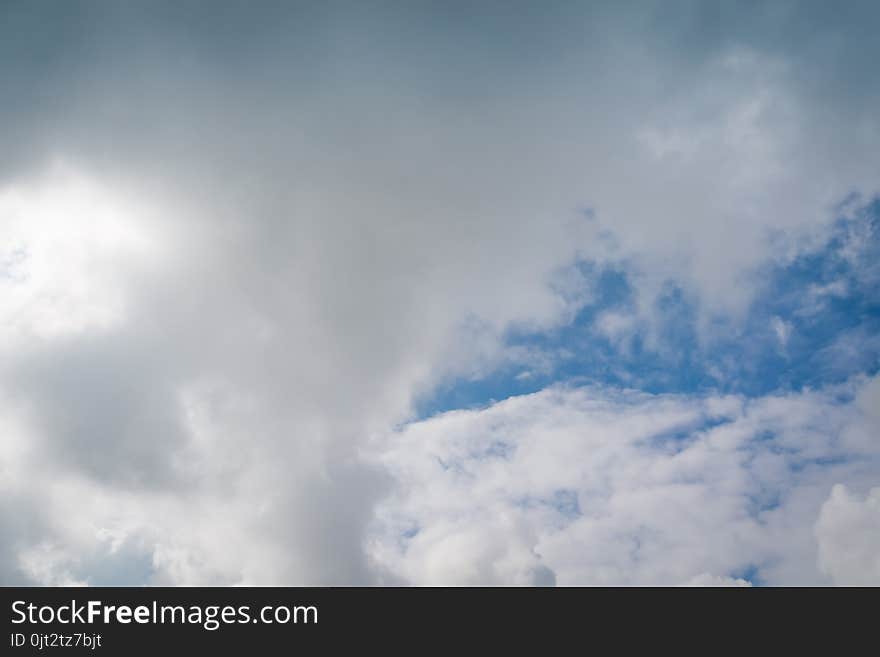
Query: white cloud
[705, 579]
[616, 326]
[782, 329]
[263, 249]
[609, 487]
[848, 531]
[66, 243]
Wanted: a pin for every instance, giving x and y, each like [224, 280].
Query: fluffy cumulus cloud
[248, 255]
[849, 541]
[600, 486]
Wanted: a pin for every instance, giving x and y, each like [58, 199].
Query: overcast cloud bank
[249, 254]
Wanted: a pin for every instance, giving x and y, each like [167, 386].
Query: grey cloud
[336, 192]
[104, 407]
[23, 522]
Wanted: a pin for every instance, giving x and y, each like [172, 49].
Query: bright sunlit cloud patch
[66, 243]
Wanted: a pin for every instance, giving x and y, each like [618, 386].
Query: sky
[439, 293]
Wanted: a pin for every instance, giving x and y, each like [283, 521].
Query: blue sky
[813, 321]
